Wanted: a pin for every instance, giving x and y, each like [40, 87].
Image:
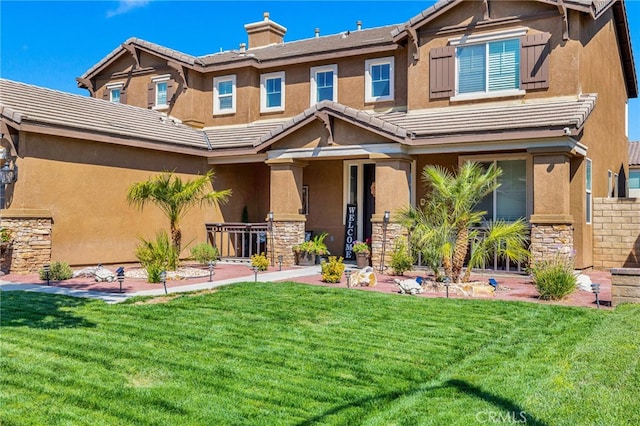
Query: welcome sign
[350, 231]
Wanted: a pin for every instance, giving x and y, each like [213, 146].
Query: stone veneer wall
[31, 247]
[550, 239]
[285, 236]
[616, 232]
[625, 285]
[394, 230]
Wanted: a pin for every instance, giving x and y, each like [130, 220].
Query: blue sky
[50, 43]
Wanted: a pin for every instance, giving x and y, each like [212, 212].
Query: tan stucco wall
[464, 19]
[84, 184]
[326, 213]
[195, 105]
[250, 184]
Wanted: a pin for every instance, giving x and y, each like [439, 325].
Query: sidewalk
[84, 287]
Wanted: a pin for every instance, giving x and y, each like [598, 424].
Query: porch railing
[495, 262]
[238, 241]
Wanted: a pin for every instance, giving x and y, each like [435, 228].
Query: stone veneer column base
[286, 234]
[548, 240]
[394, 230]
[31, 247]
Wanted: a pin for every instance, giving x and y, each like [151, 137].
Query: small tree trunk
[176, 237]
[460, 252]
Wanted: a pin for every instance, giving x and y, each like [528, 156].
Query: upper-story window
[488, 63]
[161, 84]
[115, 93]
[324, 84]
[272, 92]
[379, 79]
[224, 94]
[503, 63]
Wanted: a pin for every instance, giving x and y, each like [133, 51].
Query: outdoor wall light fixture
[9, 169]
[163, 278]
[595, 288]
[386, 216]
[47, 273]
[120, 275]
[212, 265]
[279, 262]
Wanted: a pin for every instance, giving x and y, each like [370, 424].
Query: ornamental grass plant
[554, 278]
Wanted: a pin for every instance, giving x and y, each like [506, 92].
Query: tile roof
[240, 136]
[24, 103]
[344, 41]
[634, 153]
[496, 117]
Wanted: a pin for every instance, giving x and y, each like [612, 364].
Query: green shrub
[204, 253]
[157, 256]
[261, 261]
[5, 235]
[332, 270]
[58, 271]
[554, 279]
[401, 259]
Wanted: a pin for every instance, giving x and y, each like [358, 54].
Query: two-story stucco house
[305, 128]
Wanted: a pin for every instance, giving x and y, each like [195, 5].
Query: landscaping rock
[364, 277]
[584, 282]
[409, 286]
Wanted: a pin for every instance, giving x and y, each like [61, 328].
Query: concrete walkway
[119, 297]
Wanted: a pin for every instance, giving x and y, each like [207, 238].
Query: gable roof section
[595, 8]
[634, 153]
[42, 110]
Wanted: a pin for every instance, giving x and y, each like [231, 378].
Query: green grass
[264, 354]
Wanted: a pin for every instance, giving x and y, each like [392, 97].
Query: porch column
[286, 205]
[30, 248]
[551, 221]
[393, 176]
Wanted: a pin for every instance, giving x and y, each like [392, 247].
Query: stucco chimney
[358, 25]
[265, 32]
[317, 31]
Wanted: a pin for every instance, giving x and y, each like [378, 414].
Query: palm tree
[447, 218]
[175, 197]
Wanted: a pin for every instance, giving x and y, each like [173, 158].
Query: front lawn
[297, 354]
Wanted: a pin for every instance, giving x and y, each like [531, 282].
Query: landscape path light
[163, 278]
[120, 276]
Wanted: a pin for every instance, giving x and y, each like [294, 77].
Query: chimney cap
[266, 16]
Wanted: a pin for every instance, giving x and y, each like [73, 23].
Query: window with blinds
[489, 67]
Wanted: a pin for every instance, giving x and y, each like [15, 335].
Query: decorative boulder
[103, 274]
[584, 282]
[364, 277]
[409, 286]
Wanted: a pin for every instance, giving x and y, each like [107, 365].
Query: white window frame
[609, 183]
[485, 39]
[216, 95]
[368, 92]
[157, 80]
[114, 86]
[615, 185]
[588, 179]
[507, 157]
[314, 84]
[263, 91]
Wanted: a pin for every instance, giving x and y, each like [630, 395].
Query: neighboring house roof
[634, 153]
[27, 105]
[595, 8]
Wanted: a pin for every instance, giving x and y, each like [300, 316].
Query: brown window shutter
[106, 95]
[123, 96]
[534, 61]
[171, 91]
[442, 79]
[151, 95]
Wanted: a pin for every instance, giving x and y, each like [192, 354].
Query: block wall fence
[616, 233]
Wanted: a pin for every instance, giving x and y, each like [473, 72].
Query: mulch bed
[510, 286]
